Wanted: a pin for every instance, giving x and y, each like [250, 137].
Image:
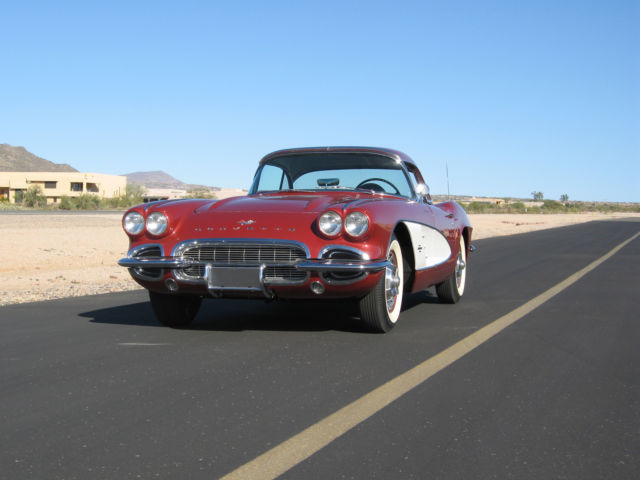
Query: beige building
[55, 185]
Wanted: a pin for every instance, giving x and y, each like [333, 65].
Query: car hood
[285, 204]
[267, 213]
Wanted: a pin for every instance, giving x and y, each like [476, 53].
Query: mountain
[18, 159]
[160, 179]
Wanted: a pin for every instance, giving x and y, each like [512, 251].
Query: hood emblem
[246, 222]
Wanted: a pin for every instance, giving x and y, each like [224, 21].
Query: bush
[200, 193]
[517, 207]
[83, 202]
[552, 206]
[34, 197]
[66, 203]
[87, 202]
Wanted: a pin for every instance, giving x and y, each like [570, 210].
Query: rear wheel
[176, 311]
[380, 308]
[452, 288]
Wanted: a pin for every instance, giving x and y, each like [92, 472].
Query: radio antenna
[448, 192]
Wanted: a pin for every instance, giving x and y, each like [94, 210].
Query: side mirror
[423, 192]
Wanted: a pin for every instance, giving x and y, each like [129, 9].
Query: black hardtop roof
[386, 152]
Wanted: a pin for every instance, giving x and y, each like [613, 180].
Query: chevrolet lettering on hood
[349, 223]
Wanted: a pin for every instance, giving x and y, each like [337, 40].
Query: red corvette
[318, 223]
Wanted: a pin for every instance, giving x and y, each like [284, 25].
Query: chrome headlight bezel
[157, 223]
[133, 223]
[356, 224]
[330, 223]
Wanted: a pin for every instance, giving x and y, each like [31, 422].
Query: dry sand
[46, 256]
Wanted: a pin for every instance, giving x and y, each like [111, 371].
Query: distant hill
[160, 179]
[18, 159]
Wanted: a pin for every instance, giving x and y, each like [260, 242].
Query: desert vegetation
[549, 206]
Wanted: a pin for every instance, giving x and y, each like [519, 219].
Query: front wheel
[452, 288]
[380, 308]
[175, 311]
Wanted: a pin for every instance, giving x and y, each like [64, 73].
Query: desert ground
[47, 256]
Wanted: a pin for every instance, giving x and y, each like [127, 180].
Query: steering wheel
[368, 185]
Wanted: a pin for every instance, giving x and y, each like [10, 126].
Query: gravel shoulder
[47, 256]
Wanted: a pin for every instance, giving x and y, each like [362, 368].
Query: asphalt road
[92, 387]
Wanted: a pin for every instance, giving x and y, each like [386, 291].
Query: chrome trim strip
[328, 248]
[155, 262]
[342, 266]
[134, 251]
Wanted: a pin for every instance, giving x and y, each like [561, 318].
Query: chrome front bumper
[308, 265]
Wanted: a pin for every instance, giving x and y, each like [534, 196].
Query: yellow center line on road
[301, 446]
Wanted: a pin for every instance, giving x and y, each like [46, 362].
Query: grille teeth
[256, 254]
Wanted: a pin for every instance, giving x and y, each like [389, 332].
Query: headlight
[356, 224]
[156, 223]
[133, 223]
[330, 223]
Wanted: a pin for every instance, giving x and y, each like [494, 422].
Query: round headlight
[133, 223]
[330, 223]
[356, 224]
[156, 223]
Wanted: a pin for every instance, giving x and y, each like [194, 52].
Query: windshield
[333, 171]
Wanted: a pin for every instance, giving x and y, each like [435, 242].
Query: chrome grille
[244, 254]
[283, 274]
[278, 259]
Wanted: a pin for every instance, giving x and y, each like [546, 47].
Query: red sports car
[318, 223]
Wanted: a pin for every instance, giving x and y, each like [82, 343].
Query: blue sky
[513, 96]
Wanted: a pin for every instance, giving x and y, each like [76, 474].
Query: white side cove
[430, 247]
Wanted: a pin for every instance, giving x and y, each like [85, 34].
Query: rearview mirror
[423, 192]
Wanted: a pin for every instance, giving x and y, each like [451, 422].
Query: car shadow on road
[240, 315]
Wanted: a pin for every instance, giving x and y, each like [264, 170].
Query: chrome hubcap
[460, 266]
[391, 283]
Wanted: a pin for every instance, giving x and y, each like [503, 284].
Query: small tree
[34, 197]
[564, 198]
[537, 196]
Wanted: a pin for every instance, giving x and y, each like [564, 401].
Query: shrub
[87, 202]
[552, 206]
[65, 203]
[34, 197]
[200, 193]
[83, 202]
